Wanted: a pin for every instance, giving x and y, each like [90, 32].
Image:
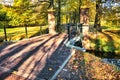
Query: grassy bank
[19, 33]
[106, 43]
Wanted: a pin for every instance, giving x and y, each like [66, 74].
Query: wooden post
[5, 31]
[40, 30]
[51, 21]
[26, 31]
[68, 27]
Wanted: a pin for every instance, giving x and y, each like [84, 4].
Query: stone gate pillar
[51, 21]
[84, 19]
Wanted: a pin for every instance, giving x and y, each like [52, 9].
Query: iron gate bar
[71, 42]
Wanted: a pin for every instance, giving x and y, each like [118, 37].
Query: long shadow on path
[22, 59]
[54, 62]
[36, 58]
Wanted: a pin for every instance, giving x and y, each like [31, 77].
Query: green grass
[18, 33]
[107, 26]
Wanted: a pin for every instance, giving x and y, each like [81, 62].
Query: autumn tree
[111, 14]
[4, 19]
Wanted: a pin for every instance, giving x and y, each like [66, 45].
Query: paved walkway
[35, 58]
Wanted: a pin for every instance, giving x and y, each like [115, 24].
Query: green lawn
[19, 32]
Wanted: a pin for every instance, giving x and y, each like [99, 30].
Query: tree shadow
[110, 47]
[23, 56]
[12, 49]
[54, 61]
[114, 31]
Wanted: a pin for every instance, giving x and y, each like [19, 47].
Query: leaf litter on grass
[89, 67]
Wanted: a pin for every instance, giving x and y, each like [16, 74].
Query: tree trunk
[59, 13]
[97, 24]
[5, 30]
[80, 3]
[74, 17]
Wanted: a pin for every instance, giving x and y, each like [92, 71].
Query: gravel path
[35, 58]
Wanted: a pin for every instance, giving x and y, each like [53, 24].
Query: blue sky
[110, 4]
[8, 2]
